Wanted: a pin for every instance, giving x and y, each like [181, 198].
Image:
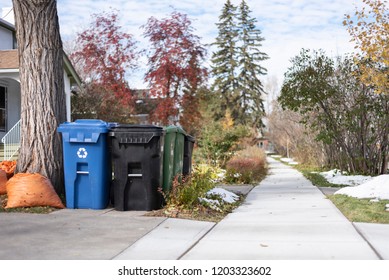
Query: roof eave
[7, 25]
[70, 70]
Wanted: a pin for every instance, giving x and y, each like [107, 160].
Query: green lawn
[356, 210]
[361, 210]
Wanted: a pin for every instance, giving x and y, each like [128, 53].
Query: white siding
[67, 95]
[14, 102]
[6, 42]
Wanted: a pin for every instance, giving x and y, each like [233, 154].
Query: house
[10, 95]
[144, 104]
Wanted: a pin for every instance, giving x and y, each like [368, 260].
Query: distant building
[144, 105]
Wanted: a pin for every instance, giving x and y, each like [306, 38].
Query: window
[3, 108]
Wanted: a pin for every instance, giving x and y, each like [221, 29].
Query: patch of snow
[333, 173]
[210, 201]
[275, 156]
[376, 188]
[227, 196]
[287, 159]
[290, 161]
[336, 176]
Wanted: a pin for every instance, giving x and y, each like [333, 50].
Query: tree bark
[42, 87]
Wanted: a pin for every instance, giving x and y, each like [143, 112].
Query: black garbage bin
[137, 153]
[188, 150]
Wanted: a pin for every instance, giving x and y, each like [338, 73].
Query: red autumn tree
[175, 68]
[103, 56]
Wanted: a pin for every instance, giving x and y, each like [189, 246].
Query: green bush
[185, 193]
[246, 167]
[218, 143]
[215, 173]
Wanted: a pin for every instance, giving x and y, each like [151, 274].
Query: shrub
[215, 173]
[185, 193]
[218, 143]
[246, 167]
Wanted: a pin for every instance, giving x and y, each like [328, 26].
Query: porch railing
[11, 141]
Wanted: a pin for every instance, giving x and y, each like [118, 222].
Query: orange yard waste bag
[31, 189]
[3, 181]
[9, 167]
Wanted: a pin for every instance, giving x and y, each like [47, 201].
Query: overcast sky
[286, 25]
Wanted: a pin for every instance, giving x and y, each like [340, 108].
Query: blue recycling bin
[87, 165]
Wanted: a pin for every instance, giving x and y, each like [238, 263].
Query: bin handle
[82, 172]
[135, 175]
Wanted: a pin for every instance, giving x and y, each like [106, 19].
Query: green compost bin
[173, 155]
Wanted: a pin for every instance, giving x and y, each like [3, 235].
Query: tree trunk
[42, 87]
[384, 153]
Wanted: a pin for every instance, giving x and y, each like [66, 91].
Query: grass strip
[361, 210]
[354, 209]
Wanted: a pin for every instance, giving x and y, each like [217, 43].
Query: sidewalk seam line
[138, 239]
[197, 242]
[367, 241]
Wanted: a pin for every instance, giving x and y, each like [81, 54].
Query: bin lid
[112, 124]
[136, 128]
[190, 138]
[174, 129]
[135, 134]
[83, 130]
[82, 124]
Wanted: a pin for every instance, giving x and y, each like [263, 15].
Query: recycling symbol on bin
[82, 153]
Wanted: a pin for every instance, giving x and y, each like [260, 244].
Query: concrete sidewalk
[81, 234]
[70, 234]
[285, 217]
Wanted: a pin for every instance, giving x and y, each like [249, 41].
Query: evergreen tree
[224, 61]
[250, 86]
[236, 66]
